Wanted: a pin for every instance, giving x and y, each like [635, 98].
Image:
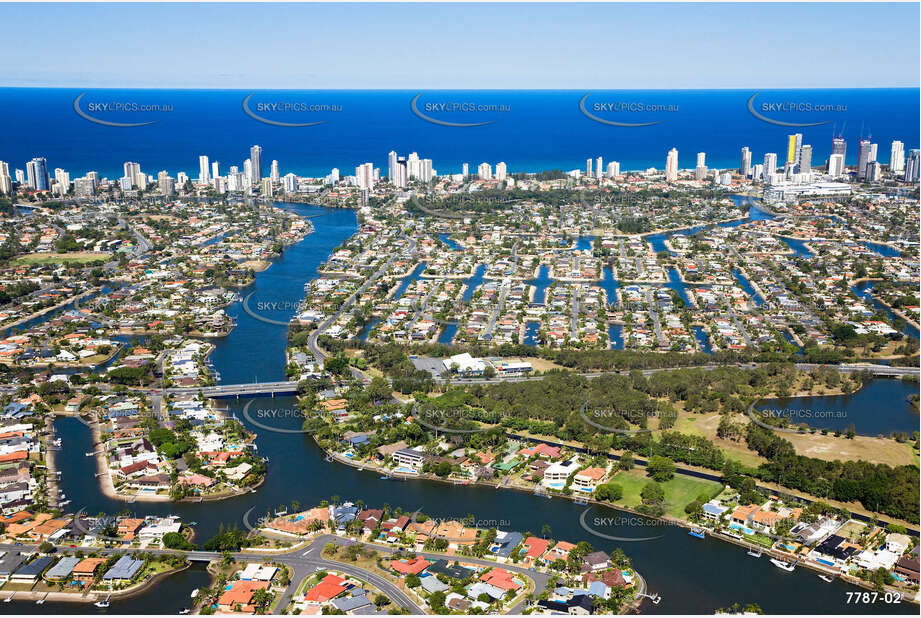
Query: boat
[184, 611]
[41, 601]
[8, 599]
[104, 603]
[194, 593]
[697, 533]
[780, 564]
[827, 578]
[754, 554]
[385, 477]
[89, 454]
[580, 501]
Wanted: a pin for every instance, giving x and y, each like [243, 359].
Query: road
[308, 559]
[654, 314]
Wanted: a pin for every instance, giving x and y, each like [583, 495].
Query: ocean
[528, 130]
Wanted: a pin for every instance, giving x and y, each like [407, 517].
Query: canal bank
[691, 575]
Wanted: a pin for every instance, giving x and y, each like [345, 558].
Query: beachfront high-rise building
[289, 182]
[671, 165]
[364, 175]
[274, 171]
[255, 155]
[746, 167]
[913, 166]
[166, 183]
[863, 157]
[839, 146]
[204, 175]
[133, 174]
[700, 171]
[874, 171]
[613, 169]
[588, 168]
[465, 170]
[426, 171]
[758, 171]
[6, 183]
[400, 173]
[181, 179]
[391, 165]
[794, 143]
[770, 164]
[897, 157]
[599, 167]
[805, 160]
[484, 171]
[37, 173]
[413, 170]
[248, 173]
[501, 171]
[874, 148]
[836, 165]
[215, 171]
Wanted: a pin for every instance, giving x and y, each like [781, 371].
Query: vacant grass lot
[678, 492]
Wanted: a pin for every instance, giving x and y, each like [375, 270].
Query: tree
[609, 492]
[652, 492]
[626, 461]
[660, 468]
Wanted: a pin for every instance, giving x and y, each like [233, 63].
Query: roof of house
[126, 568]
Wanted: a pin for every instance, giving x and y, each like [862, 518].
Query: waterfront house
[907, 567]
[256, 571]
[596, 561]
[586, 480]
[560, 551]
[556, 475]
[85, 570]
[714, 510]
[533, 549]
[123, 570]
[411, 458]
[9, 562]
[505, 543]
[31, 572]
[62, 570]
[238, 597]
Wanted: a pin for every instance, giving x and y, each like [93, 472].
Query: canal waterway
[879, 408]
[692, 575]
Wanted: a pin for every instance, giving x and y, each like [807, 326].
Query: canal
[693, 576]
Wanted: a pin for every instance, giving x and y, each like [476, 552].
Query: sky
[460, 46]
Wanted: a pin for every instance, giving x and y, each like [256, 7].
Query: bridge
[254, 389]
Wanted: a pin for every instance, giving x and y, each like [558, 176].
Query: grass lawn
[678, 491]
[78, 257]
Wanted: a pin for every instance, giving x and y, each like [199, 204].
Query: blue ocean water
[529, 130]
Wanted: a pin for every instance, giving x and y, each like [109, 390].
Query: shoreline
[91, 596]
[664, 518]
[41, 312]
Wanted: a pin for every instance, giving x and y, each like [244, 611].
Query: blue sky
[381, 46]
